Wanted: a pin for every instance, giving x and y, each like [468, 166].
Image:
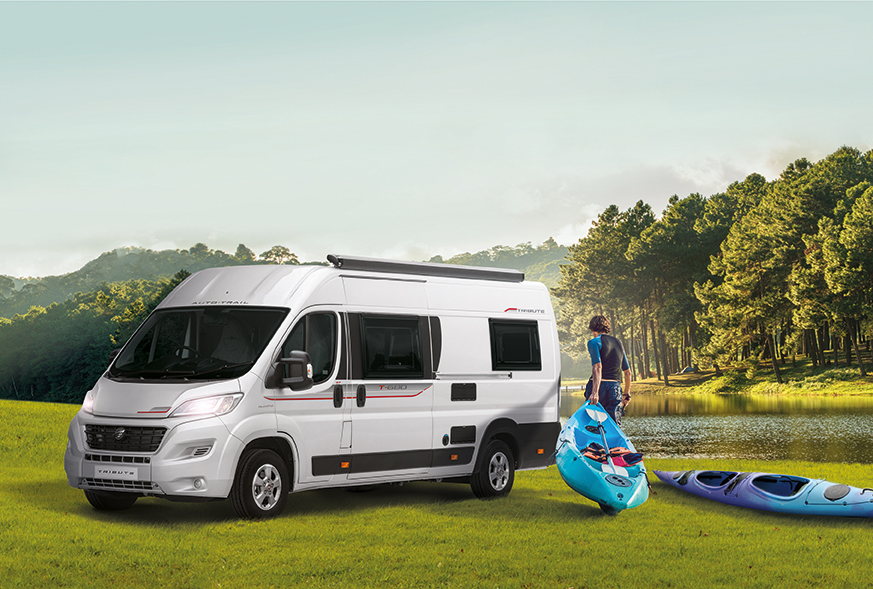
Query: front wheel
[496, 472]
[110, 500]
[261, 487]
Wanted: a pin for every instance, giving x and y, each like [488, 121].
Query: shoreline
[749, 380]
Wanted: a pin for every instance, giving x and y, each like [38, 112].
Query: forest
[764, 271]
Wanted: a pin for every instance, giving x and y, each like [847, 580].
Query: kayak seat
[780, 485]
[836, 492]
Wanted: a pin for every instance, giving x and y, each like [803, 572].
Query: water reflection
[816, 429]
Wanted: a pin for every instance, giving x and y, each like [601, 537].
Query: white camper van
[253, 382]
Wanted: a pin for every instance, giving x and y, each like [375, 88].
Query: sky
[400, 129]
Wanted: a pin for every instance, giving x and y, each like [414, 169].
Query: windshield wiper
[222, 367]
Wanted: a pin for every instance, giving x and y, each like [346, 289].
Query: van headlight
[208, 406]
[88, 403]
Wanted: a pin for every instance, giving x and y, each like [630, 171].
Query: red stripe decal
[352, 397]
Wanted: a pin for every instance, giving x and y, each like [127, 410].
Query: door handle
[362, 395]
[338, 396]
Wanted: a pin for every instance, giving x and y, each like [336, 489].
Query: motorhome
[253, 382]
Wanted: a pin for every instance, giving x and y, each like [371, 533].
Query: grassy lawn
[417, 535]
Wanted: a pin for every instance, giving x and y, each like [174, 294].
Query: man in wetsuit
[608, 362]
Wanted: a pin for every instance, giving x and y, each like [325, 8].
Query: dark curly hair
[599, 323]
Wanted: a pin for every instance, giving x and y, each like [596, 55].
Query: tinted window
[391, 347]
[515, 345]
[316, 335]
[203, 342]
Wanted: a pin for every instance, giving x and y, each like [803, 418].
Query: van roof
[275, 285]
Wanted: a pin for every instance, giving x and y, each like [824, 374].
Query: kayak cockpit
[715, 478]
[780, 485]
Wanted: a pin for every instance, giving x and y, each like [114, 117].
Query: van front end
[174, 458]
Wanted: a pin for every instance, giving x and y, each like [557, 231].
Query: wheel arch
[505, 430]
[277, 444]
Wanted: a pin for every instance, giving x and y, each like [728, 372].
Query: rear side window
[391, 347]
[515, 345]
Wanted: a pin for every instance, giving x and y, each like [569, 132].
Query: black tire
[496, 472]
[260, 489]
[110, 500]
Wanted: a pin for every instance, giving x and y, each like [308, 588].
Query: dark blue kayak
[613, 485]
[773, 492]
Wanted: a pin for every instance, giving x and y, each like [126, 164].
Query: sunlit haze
[396, 129]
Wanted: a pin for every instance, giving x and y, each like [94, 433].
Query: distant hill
[17, 295]
[123, 264]
[540, 264]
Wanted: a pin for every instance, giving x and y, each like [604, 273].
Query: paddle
[600, 417]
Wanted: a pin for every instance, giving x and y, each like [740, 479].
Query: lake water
[815, 429]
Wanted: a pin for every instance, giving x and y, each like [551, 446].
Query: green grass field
[418, 535]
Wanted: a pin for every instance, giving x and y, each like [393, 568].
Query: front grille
[117, 484]
[124, 438]
[121, 459]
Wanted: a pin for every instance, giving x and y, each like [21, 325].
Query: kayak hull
[773, 492]
[613, 488]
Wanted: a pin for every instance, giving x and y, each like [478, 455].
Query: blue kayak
[773, 492]
[611, 482]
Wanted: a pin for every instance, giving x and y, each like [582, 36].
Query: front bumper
[191, 459]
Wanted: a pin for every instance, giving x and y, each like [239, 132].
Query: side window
[515, 345]
[391, 347]
[315, 334]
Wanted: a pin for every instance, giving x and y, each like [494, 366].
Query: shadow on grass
[450, 499]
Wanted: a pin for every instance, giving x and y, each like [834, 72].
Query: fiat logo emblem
[120, 433]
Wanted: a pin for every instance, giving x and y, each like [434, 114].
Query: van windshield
[209, 343]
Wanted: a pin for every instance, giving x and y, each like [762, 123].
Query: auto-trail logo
[220, 303]
[529, 311]
[120, 432]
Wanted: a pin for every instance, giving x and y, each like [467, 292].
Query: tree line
[764, 270]
[122, 264]
[56, 353]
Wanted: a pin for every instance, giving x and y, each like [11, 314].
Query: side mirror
[114, 354]
[299, 371]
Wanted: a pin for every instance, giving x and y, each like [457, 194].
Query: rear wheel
[496, 472]
[110, 500]
[261, 487]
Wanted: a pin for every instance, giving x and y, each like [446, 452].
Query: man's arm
[596, 375]
[627, 385]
